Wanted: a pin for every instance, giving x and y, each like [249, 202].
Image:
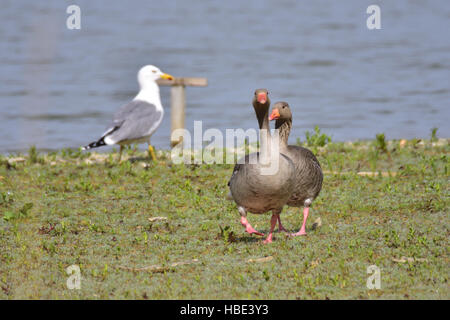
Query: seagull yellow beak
[166, 76]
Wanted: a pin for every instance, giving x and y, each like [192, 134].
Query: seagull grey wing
[120, 117]
[134, 121]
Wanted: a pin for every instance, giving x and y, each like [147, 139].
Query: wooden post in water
[178, 100]
[177, 109]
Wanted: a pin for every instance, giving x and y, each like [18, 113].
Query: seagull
[136, 121]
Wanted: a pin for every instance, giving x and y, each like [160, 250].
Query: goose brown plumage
[308, 173]
[252, 189]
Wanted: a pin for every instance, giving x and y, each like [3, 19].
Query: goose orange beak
[166, 76]
[275, 114]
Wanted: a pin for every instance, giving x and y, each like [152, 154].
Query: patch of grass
[434, 134]
[89, 211]
[21, 213]
[6, 198]
[33, 156]
[317, 138]
[380, 142]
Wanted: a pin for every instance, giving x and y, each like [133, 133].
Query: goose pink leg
[273, 223]
[302, 231]
[249, 228]
[280, 226]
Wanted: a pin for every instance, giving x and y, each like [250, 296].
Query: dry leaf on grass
[409, 259]
[153, 219]
[317, 223]
[14, 160]
[265, 259]
[315, 263]
[402, 143]
[364, 173]
[158, 268]
[374, 174]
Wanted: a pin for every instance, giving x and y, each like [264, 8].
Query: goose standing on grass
[136, 121]
[308, 173]
[251, 188]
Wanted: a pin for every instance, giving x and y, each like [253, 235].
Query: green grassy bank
[68, 208]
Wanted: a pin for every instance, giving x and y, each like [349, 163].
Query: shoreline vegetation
[156, 230]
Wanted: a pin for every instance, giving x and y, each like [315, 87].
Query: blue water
[59, 87]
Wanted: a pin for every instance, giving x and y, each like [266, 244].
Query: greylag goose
[253, 190]
[136, 121]
[308, 173]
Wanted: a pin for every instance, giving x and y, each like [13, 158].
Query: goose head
[261, 104]
[281, 111]
[261, 98]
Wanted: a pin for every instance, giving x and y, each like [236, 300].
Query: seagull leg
[120, 152]
[302, 231]
[273, 223]
[248, 228]
[151, 151]
[280, 226]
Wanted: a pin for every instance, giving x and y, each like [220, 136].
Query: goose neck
[284, 127]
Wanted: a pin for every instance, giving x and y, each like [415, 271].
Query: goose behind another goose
[256, 192]
[308, 173]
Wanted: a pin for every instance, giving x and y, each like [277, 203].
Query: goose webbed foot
[302, 231]
[248, 228]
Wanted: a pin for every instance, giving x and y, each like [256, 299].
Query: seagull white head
[149, 74]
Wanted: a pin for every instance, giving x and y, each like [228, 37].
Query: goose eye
[154, 71]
